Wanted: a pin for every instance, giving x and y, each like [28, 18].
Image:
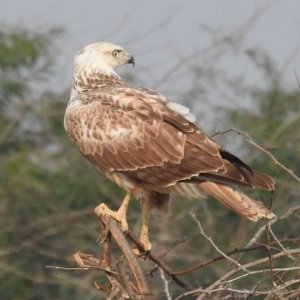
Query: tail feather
[234, 175]
[237, 201]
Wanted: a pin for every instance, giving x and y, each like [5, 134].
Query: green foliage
[20, 52]
[17, 50]
[47, 191]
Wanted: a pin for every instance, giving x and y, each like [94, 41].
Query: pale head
[102, 57]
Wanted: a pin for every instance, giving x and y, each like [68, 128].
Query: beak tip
[131, 61]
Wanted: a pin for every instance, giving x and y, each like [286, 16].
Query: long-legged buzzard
[149, 145]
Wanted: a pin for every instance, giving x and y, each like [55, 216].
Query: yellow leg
[144, 237]
[119, 215]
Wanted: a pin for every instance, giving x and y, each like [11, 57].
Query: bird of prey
[149, 145]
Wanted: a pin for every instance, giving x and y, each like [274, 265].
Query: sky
[161, 34]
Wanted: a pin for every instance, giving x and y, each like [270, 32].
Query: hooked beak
[131, 61]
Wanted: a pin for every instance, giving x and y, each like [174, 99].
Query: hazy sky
[159, 33]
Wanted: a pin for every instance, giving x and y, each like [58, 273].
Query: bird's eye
[115, 53]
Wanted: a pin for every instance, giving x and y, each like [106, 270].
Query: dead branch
[277, 219]
[131, 283]
[225, 279]
[260, 148]
[159, 262]
[214, 244]
[141, 287]
[244, 291]
[297, 78]
[222, 284]
[166, 284]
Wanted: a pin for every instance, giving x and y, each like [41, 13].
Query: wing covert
[134, 131]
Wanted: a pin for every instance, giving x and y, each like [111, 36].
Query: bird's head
[103, 57]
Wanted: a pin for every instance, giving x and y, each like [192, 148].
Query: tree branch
[266, 152]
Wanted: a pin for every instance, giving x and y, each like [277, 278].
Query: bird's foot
[119, 215]
[146, 245]
[144, 239]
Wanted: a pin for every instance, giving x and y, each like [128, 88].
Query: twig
[165, 252]
[270, 270]
[166, 284]
[284, 216]
[266, 152]
[85, 268]
[297, 78]
[159, 262]
[234, 251]
[262, 229]
[218, 258]
[255, 288]
[173, 246]
[242, 292]
[262, 271]
[279, 243]
[214, 245]
[247, 266]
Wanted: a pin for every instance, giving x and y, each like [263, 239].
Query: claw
[146, 245]
[144, 239]
[141, 254]
[119, 215]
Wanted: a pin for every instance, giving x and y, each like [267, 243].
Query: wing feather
[142, 135]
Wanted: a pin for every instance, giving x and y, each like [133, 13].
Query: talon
[119, 215]
[141, 254]
[144, 240]
[146, 243]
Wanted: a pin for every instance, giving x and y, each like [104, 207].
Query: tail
[243, 205]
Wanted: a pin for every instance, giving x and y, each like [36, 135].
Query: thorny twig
[263, 150]
[123, 286]
[244, 291]
[277, 219]
[225, 279]
[118, 278]
[214, 245]
[166, 284]
[297, 78]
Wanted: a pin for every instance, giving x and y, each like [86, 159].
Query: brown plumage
[146, 143]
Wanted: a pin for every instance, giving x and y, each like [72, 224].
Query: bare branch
[215, 246]
[279, 243]
[166, 284]
[242, 292]
[116, 232]
[262, 229]
[297, 78]
[263, 150]
[225, 279]
[159, 262]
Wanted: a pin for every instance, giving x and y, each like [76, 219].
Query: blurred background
[236, 64]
